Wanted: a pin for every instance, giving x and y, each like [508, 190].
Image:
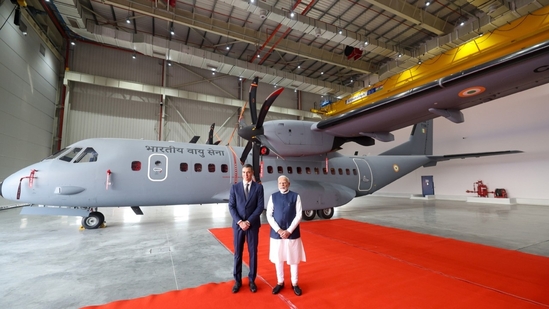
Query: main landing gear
[94, 220]
[326, 213]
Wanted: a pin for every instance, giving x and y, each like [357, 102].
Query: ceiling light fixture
[292, 14]
[427, 3]
[134, 55]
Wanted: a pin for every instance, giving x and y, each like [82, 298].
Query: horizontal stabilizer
[435, 159]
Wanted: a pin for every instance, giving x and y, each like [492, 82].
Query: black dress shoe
[277, 288]
[253, 287]
[297, 290]
[236, 287]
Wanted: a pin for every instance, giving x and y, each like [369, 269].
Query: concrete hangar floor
[48, 262]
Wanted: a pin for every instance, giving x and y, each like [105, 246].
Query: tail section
[420, 142]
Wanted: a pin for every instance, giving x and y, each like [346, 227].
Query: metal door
[364, 175]
[427, 185]
[158, 167]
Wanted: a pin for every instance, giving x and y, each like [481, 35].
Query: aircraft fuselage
[124, 172]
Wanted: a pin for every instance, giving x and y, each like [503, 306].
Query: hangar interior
[54, 93]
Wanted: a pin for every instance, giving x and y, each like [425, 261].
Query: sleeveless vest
[284, 213]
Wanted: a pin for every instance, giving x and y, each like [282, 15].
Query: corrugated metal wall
[29, 83]
[98, 111]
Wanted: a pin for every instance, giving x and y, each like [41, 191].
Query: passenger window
[290, 170]
[224, 168]
[269, 169]
[184, 167]
[317, 171]
[136, 166]
[280, 169]
[211, 168]
[88, 155]
[340, 171]
[333, 171]
[198, 167]
[70, 155]
[308, 170]
[299, 169]
[354, 171]
[347, 171]
[324, 171]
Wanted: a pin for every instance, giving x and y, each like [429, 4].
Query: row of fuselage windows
[198, 167]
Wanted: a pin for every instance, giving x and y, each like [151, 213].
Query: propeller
[211, 134]
[254, 132]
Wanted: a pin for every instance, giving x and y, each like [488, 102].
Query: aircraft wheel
[308, 215]
[93, 220]
[327, 213]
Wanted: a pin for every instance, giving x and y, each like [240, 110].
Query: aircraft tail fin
[420, 142]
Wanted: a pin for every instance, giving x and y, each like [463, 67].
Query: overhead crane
[524, 32]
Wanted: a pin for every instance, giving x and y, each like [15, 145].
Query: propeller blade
[194, 139]
[245, 152]
[266, 105]
[211, 134]
[252, 99]
[255, 161]
[263, 140]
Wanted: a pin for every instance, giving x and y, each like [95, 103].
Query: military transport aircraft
[103, 172]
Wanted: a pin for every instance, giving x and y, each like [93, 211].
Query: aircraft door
[158, 167]
[364, 175]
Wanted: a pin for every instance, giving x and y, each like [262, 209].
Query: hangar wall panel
[29, 83]
[115, 63]
[109, 112]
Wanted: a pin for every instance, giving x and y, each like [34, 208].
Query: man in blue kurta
[284, 214]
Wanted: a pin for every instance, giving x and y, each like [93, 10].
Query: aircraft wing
[435, 159]
[445, 97]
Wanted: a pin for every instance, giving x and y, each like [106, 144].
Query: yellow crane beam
[524, 32]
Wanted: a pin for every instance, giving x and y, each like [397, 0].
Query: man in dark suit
[246, 206]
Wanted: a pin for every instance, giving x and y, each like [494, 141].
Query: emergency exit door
[427, 185]
[158, 167]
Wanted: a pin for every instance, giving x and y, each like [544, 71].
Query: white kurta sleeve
[298, 215]
[270, 218]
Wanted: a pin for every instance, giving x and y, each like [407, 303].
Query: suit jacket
[246, 210]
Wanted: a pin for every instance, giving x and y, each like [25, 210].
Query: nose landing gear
[94, 220]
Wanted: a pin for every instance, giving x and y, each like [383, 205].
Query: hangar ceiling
[327, 47]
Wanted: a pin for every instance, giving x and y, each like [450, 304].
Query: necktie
[247, 190]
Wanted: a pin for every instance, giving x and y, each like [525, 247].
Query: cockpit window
[88, 155]
[57, 154]
[70, 155]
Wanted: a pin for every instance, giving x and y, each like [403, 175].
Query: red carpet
[352, 264]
